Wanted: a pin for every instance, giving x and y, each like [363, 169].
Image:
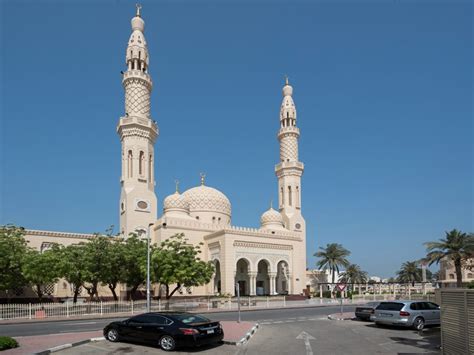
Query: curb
[67, 346]
[335, 317]
[245, 338]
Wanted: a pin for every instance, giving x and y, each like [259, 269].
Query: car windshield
[190, 318]
[390, 306]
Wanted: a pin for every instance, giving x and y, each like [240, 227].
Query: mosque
[263, 261]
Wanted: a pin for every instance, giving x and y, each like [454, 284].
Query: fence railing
[125, 308]
[391, 297]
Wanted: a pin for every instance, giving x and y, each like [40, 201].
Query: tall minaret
[138, 133]
[289, 169]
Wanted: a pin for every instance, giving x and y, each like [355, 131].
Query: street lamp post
[148, 299]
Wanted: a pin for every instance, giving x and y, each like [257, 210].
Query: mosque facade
[267, 260]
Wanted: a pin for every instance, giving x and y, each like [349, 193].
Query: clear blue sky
[383, 92]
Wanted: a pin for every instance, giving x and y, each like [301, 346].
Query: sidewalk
[234, 334]
[37, 343]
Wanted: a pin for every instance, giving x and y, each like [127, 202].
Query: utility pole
[148, 298]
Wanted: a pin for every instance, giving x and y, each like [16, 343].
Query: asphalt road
[298, 332]
[83, 325]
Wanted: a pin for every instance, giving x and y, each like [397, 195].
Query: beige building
[447, 273]
[268, 260]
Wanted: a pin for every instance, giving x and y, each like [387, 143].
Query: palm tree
[409, 272]
[457, 247]
[332, 257]
[354, 275]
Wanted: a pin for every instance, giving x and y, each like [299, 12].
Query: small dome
[138, 24]
[287, 90]
[175, 201]
[271, 216]
[207, 199]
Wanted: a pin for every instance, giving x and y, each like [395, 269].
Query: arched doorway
[242, 276]
[283, 278]
[217, 277]
[263, 281]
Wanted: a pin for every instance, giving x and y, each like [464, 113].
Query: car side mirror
[126, 321]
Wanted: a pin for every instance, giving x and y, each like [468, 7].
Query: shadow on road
[128, 349]
[430, 340]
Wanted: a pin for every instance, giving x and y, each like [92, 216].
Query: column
[272, 276]
[320, 291]
[253, 283]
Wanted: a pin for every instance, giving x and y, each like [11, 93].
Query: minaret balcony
[295, 166]
[138, 126]
[289, 130]
[129, 74]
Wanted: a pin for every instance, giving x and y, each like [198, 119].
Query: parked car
[168, 330]
[414, 314]
[365, 311]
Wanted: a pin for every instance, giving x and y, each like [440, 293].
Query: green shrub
[470, 285]
[7, 343]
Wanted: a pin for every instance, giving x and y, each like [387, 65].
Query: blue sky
[383, 92]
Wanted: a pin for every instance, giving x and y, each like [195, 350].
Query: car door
[155, 327]
[435, 313]
[137, 327]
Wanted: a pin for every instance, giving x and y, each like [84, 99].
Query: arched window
[150, 167]
[282, 196]
[130, 164]
[298, 202]
[290, 197]
[141, 162]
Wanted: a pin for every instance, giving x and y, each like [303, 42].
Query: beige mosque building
[267, 260]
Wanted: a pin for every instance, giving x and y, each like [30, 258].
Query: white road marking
[82, 323]
[306, 337]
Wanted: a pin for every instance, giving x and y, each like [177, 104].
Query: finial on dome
[286, 80]
[177, 185]
[271, 204]
[139, 7]
[203, 176]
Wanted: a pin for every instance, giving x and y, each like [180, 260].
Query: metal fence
[391, 297]
[457, 321]
[125, 308]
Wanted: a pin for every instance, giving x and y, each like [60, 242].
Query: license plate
[386, 314]
[210, 331]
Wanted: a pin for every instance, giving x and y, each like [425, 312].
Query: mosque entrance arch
[217, 277]
[283, 278]
[263, 280]
[242, 277]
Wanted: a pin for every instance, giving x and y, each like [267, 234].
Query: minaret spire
[289, 170]
[138, 133]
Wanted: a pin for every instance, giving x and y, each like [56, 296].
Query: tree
[354, 275]
[134, 251]
[114, 270]
[95, 259]
[40, 269]
[13, 248]
[409, 272]
[456, 247]
[332, 257]
[177, 263]
[71, 263]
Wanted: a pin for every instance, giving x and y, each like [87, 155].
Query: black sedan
[166, 329]
[364, 312]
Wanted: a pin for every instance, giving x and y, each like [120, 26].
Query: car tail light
[189, 331]
[404, 314]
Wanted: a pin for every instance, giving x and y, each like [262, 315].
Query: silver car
[414, 314]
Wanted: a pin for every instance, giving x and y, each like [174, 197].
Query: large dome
[207, 199]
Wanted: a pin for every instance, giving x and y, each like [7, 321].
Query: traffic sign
[341, 287]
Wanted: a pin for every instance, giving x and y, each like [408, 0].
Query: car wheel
[167, 343]
[419, 323]
[113, 335]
